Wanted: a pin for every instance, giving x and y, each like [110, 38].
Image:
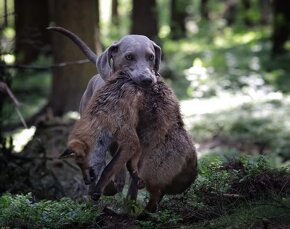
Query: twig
[44, 68]
[21, 118]
[71, 165]
[5, 88]
[25, 158]
[231, 195]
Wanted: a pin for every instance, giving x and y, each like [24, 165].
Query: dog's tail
[80, 43]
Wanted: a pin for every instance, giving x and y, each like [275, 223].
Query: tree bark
[204, 10]
[144, 18]
[115, 13]
[178, 18]
[70, 82]
[281, 26]
[31, 19]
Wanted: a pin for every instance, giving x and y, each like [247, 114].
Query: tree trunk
[247, 4]
[97, 35]
[178, 18]
[31, 19]
[204, 10]
[281, 25]
[230, 11]
[115, 13]
[144, 18]
[70, 82]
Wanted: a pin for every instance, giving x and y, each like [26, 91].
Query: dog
[167, 162]
[138, 56]
[112, 115]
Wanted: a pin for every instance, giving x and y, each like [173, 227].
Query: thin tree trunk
[70, 82]
[31, 19]
[115, 13]
[178, 18]
[204, 10]
[281, 25]
[144, 18]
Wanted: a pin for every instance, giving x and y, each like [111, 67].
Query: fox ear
[67, 153]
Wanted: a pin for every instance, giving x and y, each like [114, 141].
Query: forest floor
[239, 120]
[233, 189]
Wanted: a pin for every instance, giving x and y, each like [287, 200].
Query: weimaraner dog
[135, 55]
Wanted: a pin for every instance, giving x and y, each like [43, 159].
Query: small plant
[161, 219]
[23, 211]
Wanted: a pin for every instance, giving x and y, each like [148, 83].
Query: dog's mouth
[124, 75]
[146, 82]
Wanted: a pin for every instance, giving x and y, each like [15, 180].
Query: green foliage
[255, 127]
[161, 219]
[31, 88]
[254, 214]
[23, 211]
[231, 191]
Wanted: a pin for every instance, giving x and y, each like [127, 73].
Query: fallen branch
[5, 89]
[229, 195]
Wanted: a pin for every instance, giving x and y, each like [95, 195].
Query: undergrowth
[231, 191]
[22, 211]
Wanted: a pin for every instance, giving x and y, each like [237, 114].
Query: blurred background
[227, 60]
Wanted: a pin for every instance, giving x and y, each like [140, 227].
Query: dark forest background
[228, 62]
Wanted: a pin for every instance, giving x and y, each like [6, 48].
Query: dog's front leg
[129, 146]
[98, 157]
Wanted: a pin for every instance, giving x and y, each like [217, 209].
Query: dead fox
[147, 125]
[112, 115]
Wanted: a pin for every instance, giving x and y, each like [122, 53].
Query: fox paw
[140, 184]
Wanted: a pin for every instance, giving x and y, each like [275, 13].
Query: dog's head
[136, 55]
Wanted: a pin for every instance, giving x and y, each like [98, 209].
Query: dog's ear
[104, 61]
[67, 153]
[158, 54]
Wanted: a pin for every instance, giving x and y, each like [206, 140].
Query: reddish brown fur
[113, 110]
[148, 127]
[168, 163]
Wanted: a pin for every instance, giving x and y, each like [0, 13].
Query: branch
[5, 89]
[45, 68]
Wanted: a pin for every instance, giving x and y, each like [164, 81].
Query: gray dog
[135, 55]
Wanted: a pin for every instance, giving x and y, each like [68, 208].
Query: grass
[22, 211]
[231, 191]
[253, 215]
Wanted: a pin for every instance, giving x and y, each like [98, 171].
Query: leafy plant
[23, 211]
[161, 219]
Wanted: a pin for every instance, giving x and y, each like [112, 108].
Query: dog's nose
[146, 81]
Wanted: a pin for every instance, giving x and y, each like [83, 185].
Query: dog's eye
[129, 57]
[151, 57]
